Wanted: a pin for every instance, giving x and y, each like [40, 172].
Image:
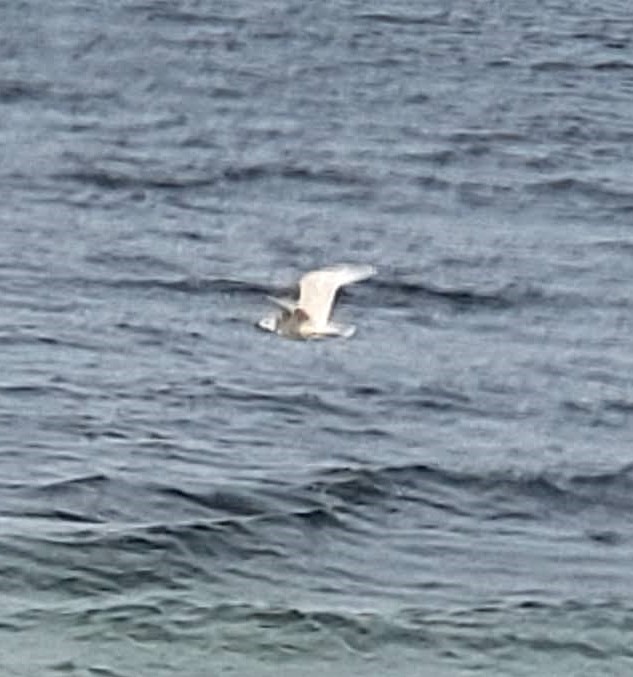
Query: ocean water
[448, 493]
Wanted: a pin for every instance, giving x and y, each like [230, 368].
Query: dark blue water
[449, 492]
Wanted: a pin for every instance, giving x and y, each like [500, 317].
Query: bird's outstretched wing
[286, 304]
[318, 290]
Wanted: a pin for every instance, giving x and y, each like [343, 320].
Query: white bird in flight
[309, 317]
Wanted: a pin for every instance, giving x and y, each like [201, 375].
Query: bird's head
[300, 315]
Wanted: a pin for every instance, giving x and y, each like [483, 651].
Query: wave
[155, 509]
[15, 91]
[580, 187]
[289, 633]
[437, 18]
[499, 494]
[135, 178]
[118, 180]
[397, 293]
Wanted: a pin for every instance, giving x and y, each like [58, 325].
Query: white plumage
[309, 317]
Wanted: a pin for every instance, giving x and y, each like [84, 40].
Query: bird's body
[309, 316]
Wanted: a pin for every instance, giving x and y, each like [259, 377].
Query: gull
[309, 317]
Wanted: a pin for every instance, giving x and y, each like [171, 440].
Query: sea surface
[449, 492]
